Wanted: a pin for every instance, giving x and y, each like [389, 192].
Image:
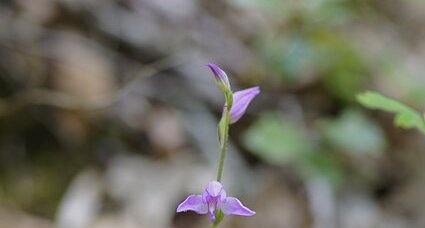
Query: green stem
[223, 134]
[223, 145]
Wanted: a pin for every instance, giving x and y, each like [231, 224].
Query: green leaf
[277, 140]
[280, 141]
[218, 217]
[354, 133]
[406, 117]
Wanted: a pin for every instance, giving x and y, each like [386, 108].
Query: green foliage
[218, 218]
[406, 117]
[282, 142]
[354, 133]
[277, 140]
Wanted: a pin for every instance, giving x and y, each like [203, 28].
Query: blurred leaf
[406, 117]
[354, 133]
[277, 140]
[218, 217]
[281, 142]
[323, 165]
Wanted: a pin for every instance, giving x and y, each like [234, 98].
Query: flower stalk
[223, 135]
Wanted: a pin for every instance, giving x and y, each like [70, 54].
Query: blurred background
[108, 113]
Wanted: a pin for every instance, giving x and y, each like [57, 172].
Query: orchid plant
[214, 200]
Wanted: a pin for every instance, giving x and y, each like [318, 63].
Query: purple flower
[241, 100]
[220, 77]
[214, 199]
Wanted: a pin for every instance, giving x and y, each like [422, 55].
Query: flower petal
[193, 203]
[220, 77]
[241, 100]
[233, 206]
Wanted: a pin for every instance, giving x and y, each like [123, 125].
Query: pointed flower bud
[238, 101]
[241, 100]
[212, 200]
[220, 77]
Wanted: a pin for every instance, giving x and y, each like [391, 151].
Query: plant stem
[223, 145]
